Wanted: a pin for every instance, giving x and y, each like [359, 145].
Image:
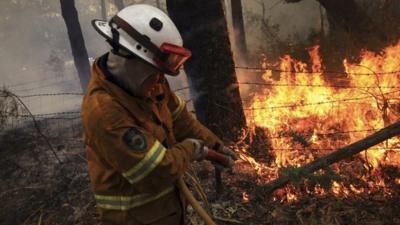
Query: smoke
[34, 52]
[287, 24]
[36, 55]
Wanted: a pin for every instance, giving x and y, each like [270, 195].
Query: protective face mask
[129, 72]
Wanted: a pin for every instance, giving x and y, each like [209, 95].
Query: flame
[308, 112]
[291, 197]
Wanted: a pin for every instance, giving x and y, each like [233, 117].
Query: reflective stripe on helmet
[128, 202]
[152, 158]
[179, 109]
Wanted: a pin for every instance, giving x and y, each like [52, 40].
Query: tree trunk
[386, 133]
[119, 4]
[77, 42]
[322, 21]
[158, 4]
[391, 18]
[238, 29]
[347, 15]
[350, 30]
[103, 10]
[210, 71]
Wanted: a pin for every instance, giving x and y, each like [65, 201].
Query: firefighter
[139, 135]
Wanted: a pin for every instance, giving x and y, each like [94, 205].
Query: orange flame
[307, 115]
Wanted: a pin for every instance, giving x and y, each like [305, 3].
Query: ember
[246, 197]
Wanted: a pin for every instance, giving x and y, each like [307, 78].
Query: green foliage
[297, 174]
[298, 138]
[325, 180]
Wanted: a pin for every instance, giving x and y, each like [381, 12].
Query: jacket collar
[103, 79]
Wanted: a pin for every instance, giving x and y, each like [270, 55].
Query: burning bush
[308, 112]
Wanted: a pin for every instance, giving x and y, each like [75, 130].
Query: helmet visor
[172, 57]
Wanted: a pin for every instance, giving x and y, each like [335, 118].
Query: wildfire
[307, 112]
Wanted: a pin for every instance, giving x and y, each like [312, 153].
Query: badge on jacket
[135, 139]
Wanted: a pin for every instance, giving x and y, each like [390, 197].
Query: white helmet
[148, 33]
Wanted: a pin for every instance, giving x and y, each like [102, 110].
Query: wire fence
[262, 69]
[317, 85]
[308, 86]
[289, 105]
[53, 123]
[345, 100]
[50, 94]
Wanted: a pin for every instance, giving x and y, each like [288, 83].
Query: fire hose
[215, 157]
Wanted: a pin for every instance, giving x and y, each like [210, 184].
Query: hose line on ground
[195, 204]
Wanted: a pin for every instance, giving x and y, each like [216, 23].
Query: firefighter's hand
[200, 151]
[226, 151]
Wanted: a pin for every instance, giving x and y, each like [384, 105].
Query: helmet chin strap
[114, 42]
[140, 38]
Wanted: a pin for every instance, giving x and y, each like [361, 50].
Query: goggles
[171, 57]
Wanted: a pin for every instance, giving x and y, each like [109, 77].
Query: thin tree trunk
[343, 153]
[210, 71]
[322, 21]
[158, 4]
[391, 18]
[119, 4]
[347, 15]
[350, 30]
[103, 10]
[77, 42]
[238, 28]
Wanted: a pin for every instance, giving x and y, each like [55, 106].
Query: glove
[226, 151]
[200, 151]
[220, 160]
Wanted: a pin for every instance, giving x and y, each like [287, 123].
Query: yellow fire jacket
[136, 150]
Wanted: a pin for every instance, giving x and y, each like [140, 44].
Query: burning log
[342, 153]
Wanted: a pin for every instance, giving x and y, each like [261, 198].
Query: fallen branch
[342, 153]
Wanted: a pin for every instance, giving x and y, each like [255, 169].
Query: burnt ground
[36, 189]
[374, 208]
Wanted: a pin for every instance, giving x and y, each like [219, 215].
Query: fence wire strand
[291, 135]
[260, 69]
[316, 86]
[292, 105]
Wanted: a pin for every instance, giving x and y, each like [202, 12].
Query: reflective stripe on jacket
[136, 148]
[128, 202]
